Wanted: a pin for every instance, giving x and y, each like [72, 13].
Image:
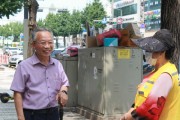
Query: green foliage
[41, 23]
[13, 28]
[94, 11]
[10, 7]
[3, 31]
[75, 22]
[64, 24]
[59, 23]
[51, 21]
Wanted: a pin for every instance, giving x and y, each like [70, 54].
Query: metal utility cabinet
[70, 65]
[108, 78]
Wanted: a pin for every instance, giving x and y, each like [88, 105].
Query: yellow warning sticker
[124, 53]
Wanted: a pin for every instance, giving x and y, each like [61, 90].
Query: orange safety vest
[171, 110]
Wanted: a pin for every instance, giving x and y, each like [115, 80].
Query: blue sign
[104, 21]
[21, 35]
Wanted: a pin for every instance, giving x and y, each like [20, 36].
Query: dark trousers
[43, 114]
[61, 113]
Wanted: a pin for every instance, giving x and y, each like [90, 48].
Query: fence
[4, 59]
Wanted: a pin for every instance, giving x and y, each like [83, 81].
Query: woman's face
[157, 55]
[154, 57]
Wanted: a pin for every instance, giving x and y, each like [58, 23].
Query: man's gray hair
[34, 33]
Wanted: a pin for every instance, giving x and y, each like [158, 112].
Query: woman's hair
[34, 33]
[169, 53]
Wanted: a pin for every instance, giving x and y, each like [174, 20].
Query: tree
[59, 24]
[64, 25]
[15, 29]
[41, 23]
[10, 7]
[76, 22]
[170, 19]
[3, 32]
[51, 22]
[12, 29]
[94, 11]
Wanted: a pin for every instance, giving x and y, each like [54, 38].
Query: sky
[62, 4]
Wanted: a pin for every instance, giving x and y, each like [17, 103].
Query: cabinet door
[123, 73]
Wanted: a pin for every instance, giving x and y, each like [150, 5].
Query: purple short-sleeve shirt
[39, 84]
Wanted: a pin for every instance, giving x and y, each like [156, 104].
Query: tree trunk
[33, 6]
[170, 19]
[57, 44]
[64, 40]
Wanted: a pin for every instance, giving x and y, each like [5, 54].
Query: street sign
[119, 20]
[104, 21]
[21, 35]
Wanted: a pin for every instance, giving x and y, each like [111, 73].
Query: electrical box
[108, 78]
[70, 65]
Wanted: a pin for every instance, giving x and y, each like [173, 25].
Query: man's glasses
[43, 43]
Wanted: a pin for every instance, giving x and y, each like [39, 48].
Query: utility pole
[26, 32]
[112, 8]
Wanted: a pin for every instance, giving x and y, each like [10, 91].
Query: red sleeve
[152, 107]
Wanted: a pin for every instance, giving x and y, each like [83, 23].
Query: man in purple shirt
[40, 82]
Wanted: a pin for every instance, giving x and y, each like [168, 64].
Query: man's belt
[47, 110]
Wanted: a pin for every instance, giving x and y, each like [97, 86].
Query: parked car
[5, 49]
[55, 52]
[15, 59]
[71, 50]
[12, 51]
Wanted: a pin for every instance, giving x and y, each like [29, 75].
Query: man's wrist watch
[64, 92]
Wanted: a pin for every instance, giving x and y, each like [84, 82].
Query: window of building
[151, 3]
[116, 0]
[52, 9]
[128, 10]
[40, 10]
[153, 24]
[62, 10]
[146, 5]
[156, 2]
[117, 12]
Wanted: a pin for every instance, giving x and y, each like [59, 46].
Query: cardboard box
[110, 42]
[125, 39]
[134, 31]
[91, 41]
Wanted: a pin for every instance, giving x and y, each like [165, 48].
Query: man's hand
[62, 98]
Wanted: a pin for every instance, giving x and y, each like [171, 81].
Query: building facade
[128, 11]
[152, 14]
[146, 13]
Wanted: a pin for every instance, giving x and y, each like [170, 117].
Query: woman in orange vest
[158, 96]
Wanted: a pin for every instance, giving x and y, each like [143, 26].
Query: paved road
[7, 110]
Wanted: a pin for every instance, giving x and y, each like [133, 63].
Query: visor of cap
[150, 44]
